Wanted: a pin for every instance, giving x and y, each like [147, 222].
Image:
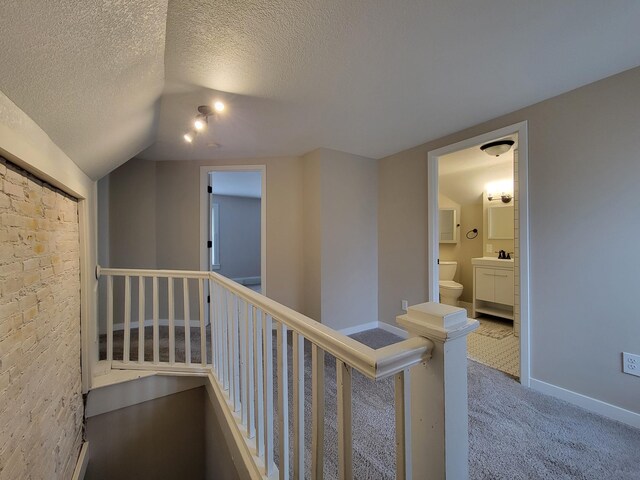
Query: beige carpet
[514, 433]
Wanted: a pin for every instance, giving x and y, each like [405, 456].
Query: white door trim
[523, 212]
[204, 215]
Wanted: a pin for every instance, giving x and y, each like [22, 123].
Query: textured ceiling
[375, 77]
[89, 72]
[365, 77]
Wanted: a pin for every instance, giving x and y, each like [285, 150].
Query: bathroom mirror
[448, 225]
[500, 223]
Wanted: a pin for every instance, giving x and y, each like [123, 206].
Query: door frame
[204, 215]
[523, 218]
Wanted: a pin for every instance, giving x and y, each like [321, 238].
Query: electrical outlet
[405, 305]
[631, 364]
[489, 248]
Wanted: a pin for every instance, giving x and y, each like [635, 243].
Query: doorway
[233, 224]
[477, 207]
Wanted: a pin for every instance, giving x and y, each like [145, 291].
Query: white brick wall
[41, 408]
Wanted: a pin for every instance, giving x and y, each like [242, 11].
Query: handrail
[373, 363]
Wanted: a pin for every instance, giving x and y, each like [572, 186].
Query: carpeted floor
[514, 433]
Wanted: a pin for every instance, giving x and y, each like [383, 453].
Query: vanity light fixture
[202, 119]
[505, 197]
[497, 148]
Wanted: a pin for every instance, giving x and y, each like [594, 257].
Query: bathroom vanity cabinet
[493, 287]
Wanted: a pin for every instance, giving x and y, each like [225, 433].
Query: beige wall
[469, 217]
[132, 215]
[349, 240]
[583, 170]
[163, 438]
[340, 238]
[40, 379]
[312, 235]
[165, 198]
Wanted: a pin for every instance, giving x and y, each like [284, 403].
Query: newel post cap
[437, 321]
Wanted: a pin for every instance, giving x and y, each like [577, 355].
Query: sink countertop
[492, 262]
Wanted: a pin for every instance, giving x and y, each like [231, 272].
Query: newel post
[439, 410]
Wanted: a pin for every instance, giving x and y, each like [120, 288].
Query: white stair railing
[239, 324]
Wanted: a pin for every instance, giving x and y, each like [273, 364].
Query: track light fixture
[202, 119]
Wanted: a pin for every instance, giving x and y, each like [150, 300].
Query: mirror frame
[454, 226]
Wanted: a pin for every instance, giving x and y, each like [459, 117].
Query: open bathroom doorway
[478, 242]
[232, 225]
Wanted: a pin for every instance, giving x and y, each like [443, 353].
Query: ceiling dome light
[188, 137]
[199, 124]
[218, 106]
[497, 148]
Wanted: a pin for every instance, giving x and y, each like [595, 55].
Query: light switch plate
[631, 364]
[405, 305]
[489, 248]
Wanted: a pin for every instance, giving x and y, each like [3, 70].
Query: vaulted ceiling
[111, 79]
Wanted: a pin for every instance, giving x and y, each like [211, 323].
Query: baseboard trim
[163, 322]
[371, 325]
[591, 404]
[358, 328]
[81, 464]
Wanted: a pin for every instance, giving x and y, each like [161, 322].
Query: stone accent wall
[41, 407]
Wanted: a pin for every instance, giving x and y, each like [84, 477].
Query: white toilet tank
[447, 270]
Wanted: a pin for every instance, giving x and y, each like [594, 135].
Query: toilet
[450, 291]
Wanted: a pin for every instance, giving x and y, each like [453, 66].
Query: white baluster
[156, 326]
[345, 438]
[109, 319]
[259, 387]
[226, 345]
[283, 402]
[221, 342]
[298, 406]
[187, 321]
[141, 315]
[403, 426]
[242, 330]
[214, 321]
[203, 332]
[267, 336]
[251, 426]
[236, 355]
[317, 408]
[230, 349]
[172, 322]
[127, 319]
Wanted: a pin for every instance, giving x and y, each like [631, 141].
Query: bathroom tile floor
[502, 354]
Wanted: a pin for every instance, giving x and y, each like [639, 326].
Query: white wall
[584, 163]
